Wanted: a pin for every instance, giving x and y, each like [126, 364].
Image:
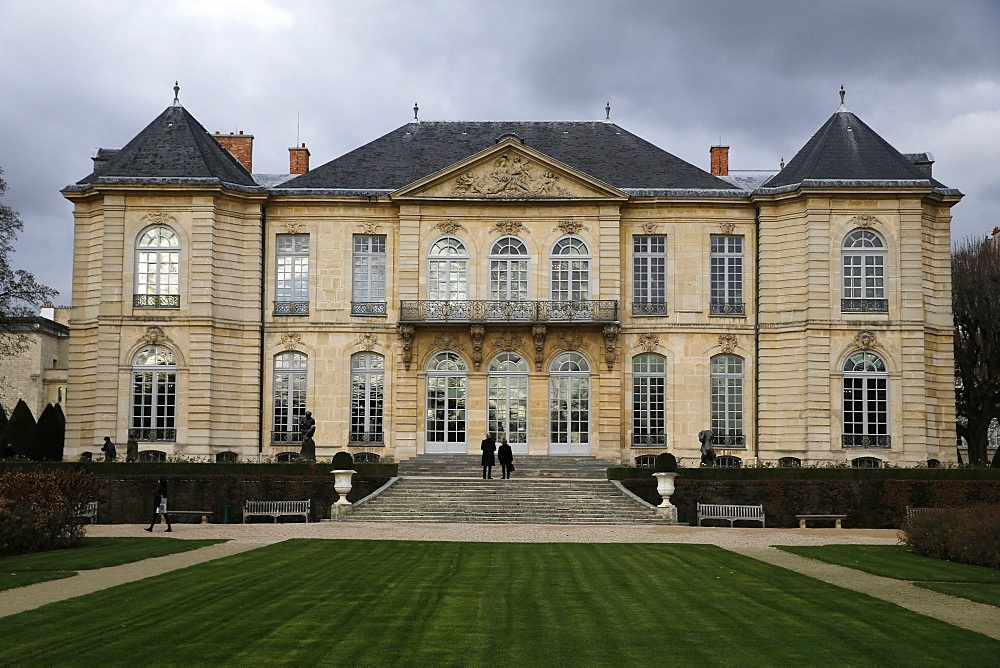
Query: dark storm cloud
[759, 76]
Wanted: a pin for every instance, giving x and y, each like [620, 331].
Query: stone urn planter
[665, 487]
[342, 484]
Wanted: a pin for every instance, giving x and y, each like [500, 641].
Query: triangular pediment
[509, 171]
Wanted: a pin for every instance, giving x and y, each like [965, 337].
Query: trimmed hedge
[364, 469]
[966, 535]
[812, 473]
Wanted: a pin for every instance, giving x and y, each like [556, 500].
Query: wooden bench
[204, 514]
[276, 509]
[730, 513]
[804, 519]
[88, 511]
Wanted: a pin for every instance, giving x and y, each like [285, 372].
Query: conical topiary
[19, 434]
[50, 434]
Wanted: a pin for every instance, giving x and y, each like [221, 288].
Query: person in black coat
[489, 446]
[506, 458]
[160, 503]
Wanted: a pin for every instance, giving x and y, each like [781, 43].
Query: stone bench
[730, 513]
[204, 514]
[805, 519]
[276, 509]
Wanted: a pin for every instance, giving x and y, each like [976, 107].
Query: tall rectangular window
[368, 287]
[727, 275]
[367, 397]
[649, 275]
[289, 401]
[649, 400]
[727, 401]
[291, 290]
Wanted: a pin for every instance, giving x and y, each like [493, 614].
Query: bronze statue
[707, 451]
[307, 427]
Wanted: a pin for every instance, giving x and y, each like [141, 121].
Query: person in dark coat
[160, 504]
[109, 450]
[506, 458]
[489, 446]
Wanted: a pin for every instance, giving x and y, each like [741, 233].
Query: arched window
[444, 421]
[509, 280]
[367, 397]
[863, 255]
[789, 462]
[645, 461]
[727, 401]
[227, 457]
[507, 400]
[866, 401]
[154, 394]
[728, 462]
[569, 405]
[866, 463]
[447, 280]
[366, 457]
[290, 382]
[570, 279]
[157, 269]
[649, 400]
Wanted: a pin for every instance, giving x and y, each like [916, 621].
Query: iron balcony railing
[864, 305]
[586, 310]
[867, 441]
[640, 307]
[730, 439]
[732, 308]
[368, 308]
[279, 436]
[291, 308]
[147, 434]
[156, 301]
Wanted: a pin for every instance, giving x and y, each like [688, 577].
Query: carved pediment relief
[509, 171]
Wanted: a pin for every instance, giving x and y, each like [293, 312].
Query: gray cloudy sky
[761, 77]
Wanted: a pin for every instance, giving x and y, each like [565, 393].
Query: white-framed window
[448, 280]
[154, 394]
[866, 401]
[569, 405]
[291, 288]
[368, 285]
[726, 254]
[157, 268]
[367, 397]
[508, 294]
[863, 261]
[649, 400]
[570, 280]
[289, 401]
[649, 275]
[445, 418]
[727, 401]
[507, 400]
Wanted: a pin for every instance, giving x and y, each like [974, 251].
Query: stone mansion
[566, 284]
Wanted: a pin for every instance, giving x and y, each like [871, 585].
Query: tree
[20, 433]
[50, 434]
[20, 294]
[975, 281]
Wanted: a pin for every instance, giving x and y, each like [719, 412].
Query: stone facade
[563, 319]
[39, 374]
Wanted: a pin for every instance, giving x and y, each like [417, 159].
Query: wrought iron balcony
[730, 439]
[291, 308]
[148, 434]
[731, 308]
[368, 308]
[649, 307]
[864, 305]
[648, 440]
[866, 441]
[365, 438]
[278, 437]
[424, 310]
[156, 301]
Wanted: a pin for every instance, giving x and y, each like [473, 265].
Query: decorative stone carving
[649, 342]
[728, 343]
[864, 221]
[508, 227]
[478, 333]
[727, 227]
[154, 334]
[367, 341]
[512, 176]
[292, 228]
[507, 342]
[538, 334]
[291, 340]
[369, 227]
[449, 227]
[159, 218]
[406, 333]
[866, 339]
[569, 341]
[447, 341]
[570, 227]
[611, 332]
[650, 228]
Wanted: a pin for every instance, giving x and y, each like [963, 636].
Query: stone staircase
[543, 490]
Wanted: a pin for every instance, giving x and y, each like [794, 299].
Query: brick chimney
[298, 160]
[239, 145]
[720, 160]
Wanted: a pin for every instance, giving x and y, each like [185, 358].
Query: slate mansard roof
[599, 149]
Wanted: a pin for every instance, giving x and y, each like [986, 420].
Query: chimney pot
[240, 146]
[719, 157]
[298, 160]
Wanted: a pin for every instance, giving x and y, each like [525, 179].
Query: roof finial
[782, 162]
[607, 111]
[177, 91]
[843, 107]
[415, 110]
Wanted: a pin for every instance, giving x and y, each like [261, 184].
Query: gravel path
[754, 542]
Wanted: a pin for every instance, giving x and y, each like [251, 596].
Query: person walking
[506, 458]
[160, 504]
[131, 449]
[489, 446]
[109, 450]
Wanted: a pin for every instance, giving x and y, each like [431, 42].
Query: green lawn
[894, 561]
[26, 569]
[373, 603]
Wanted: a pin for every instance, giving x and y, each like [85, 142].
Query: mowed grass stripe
[366, 603]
